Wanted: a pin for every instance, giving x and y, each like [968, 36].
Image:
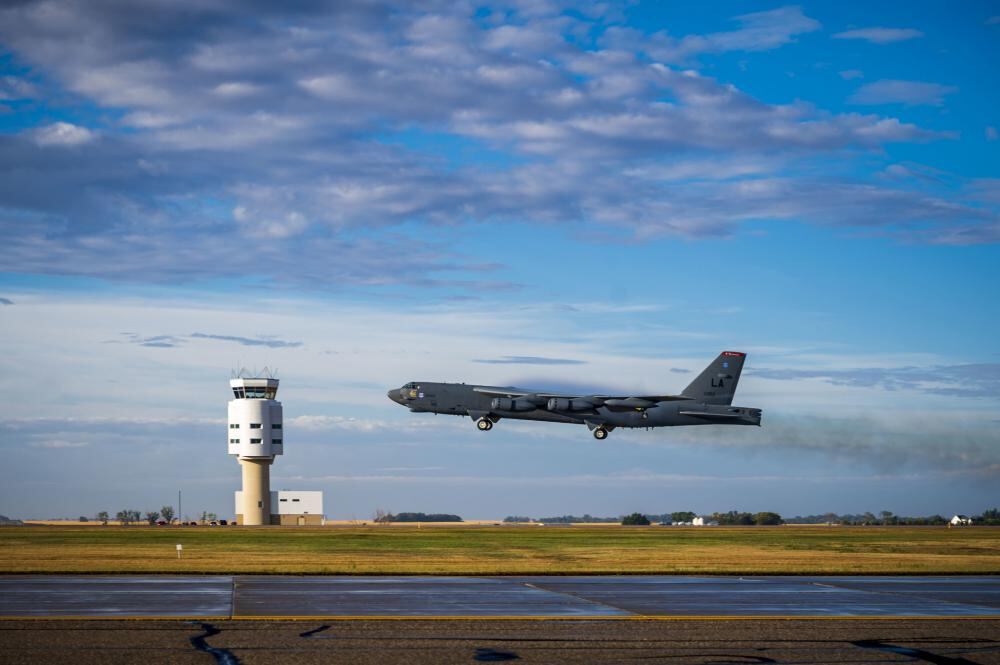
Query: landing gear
[600, 433]
[484, 424]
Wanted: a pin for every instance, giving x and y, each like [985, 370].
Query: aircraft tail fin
[717, 383]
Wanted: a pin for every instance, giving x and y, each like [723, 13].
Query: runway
[625, 597]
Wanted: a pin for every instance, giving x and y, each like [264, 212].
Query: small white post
[179, 548]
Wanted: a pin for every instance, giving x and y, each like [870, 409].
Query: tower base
[256, 491]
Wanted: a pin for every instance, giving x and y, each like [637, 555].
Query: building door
[301, 521]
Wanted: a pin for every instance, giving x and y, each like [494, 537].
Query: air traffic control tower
[255, 438]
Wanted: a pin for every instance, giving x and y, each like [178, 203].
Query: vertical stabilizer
[717, 383]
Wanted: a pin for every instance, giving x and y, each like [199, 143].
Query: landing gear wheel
[484, 425]
[600, 433]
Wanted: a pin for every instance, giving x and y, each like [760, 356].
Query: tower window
[254, 440]
[234, 426]
[234, 440]
[254, 425]
[275, 425]
[276, 442]
[294, 499]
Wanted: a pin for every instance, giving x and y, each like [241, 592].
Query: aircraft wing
[613, 402]
[514, 392]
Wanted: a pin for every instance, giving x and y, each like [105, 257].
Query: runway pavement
[624, 597]
[410, 641]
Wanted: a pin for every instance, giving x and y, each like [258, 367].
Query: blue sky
[363, 194]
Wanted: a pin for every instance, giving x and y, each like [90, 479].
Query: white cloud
[878, 35]
[992, 134]
[148, 120]
[14, 88]
[759, 31]
[909, 93]
[850, 74]
[63, 134]
[58, 444]
[236, 89]
[348, 143]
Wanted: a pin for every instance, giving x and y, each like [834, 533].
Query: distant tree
[424, 517]
[732, 518]
[167, 512]
[512, 519]
[989, 517]
[382, 516]
[84, 519]
[204, 516]
[635, 519]
[212, 517]
[152, 516]
[124, 517]
[573, 519]
[103, 517]
[682, 516]
[767, 519]
[888, 518]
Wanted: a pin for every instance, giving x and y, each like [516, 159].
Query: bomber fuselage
[476, 401]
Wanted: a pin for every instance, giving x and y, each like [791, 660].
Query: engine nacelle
[508, 404]
[566, 404]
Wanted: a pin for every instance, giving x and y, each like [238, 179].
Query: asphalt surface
[413, 641]
[225, 597]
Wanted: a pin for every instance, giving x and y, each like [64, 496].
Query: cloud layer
[322, 130]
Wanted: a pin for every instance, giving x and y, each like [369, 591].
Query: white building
[293, 507]
[701, 521]
[960, 520]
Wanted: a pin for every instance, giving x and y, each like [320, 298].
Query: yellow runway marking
[637, 617]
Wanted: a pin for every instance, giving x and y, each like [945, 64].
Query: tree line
[682, 516]
[128, 517]
[383, 517]
[989, 517]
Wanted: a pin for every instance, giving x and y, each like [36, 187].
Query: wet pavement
[557, 597]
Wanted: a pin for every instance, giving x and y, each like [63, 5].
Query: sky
[561, 196]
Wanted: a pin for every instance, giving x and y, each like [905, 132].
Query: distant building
[960, 520]
[293, 507]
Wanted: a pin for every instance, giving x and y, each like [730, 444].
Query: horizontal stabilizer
[709, 414]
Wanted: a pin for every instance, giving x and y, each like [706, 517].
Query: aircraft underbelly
[538, 414]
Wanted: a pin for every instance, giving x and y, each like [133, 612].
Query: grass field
[501, 550]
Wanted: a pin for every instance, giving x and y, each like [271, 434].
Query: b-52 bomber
[707, 401]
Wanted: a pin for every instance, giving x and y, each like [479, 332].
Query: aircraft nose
[394, 396]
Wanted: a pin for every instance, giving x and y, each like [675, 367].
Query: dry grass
[486, 550]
